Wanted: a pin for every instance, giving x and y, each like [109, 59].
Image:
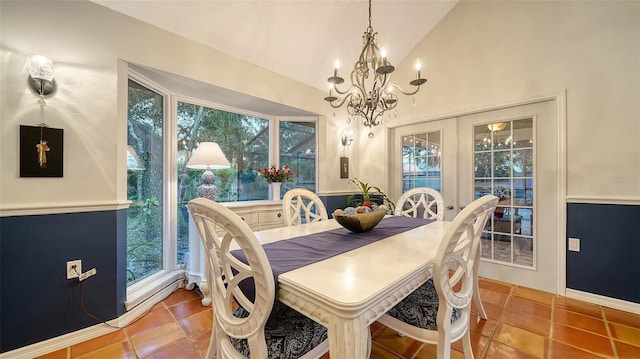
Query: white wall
[87, 44]
[492, 52]
[482, 54]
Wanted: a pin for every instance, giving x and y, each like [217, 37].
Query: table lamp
[208, 156]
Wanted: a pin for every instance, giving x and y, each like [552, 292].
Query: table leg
[349, 339]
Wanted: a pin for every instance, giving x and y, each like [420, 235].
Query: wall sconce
[41, 80]
[347, 138]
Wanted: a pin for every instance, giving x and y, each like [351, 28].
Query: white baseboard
[604, 301]
[79, 336]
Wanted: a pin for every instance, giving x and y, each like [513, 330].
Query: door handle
[450, 207]
[462, 207]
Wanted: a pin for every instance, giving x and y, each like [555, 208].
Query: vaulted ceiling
[300, 39]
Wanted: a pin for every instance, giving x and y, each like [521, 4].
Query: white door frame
[561, 160]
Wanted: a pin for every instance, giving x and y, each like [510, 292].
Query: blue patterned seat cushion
[292, 335]
[420, 308]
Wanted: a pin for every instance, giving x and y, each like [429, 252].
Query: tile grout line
[606, 326]
[484, 353]
[551, 322]
[175, 321]
[129, 336]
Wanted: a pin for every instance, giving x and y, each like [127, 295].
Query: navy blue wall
[609, 259]
[334, 202]
[37, 301]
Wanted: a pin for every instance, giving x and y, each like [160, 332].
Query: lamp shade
[208, 155]
[133, 160]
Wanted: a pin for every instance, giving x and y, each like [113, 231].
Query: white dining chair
[420, 201]
[438, 312]
[429, 203]
[300, 204]
[240, 319]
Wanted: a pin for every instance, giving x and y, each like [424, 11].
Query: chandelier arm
[407, 93]
[341, 102]
[348, 90]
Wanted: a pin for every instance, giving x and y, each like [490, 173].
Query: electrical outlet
[74, 272]
[574, 244]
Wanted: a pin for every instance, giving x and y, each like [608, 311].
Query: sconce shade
[41, 80]
[208, 156]
[41, 68]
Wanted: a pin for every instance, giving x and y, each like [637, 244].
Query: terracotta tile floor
[523, 323]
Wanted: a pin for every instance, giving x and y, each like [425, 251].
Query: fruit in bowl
[360, 219]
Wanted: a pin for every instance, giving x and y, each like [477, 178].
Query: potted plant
[368, 195]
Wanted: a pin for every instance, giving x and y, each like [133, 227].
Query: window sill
[154, 288]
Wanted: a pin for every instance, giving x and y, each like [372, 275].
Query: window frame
[171, 271]
[141, 290]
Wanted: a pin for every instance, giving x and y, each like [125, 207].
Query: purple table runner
[296, 252]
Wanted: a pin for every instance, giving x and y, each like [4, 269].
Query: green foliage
[244, 140]
[368, 193]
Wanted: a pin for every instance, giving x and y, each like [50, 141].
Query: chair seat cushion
[292, 335]
[420, 308]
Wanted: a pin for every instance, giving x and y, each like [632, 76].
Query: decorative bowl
[360, 222]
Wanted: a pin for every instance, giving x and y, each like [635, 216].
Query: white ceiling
[300, 39]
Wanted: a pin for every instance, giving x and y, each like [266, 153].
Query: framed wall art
[344, 167]
[41, 151]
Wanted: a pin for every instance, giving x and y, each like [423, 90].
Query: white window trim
[147, 288]
[141, 291]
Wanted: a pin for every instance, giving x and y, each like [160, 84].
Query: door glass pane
[523, 163]
[298, 151]
[144, 182]
[504, 167]
[523, 133]
[483, 164]
[501, 164]
[421, 156]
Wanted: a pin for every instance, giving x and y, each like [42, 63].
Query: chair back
[421, 201]
[455, 263]
[302, 206]
[221, 231]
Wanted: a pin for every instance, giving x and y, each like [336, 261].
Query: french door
[511, 153]
[425, 155]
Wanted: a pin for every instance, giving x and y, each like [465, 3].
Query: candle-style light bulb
[418, 67]
[336, 67]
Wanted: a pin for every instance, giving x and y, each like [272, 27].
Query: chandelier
[369, 98]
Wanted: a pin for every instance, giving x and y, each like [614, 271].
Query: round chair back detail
[302, 206]
[423, 201]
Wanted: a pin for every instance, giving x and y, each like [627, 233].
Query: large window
[158, 226]
[144, 182]
[298, 151]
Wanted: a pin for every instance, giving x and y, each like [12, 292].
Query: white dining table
[348, 292]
